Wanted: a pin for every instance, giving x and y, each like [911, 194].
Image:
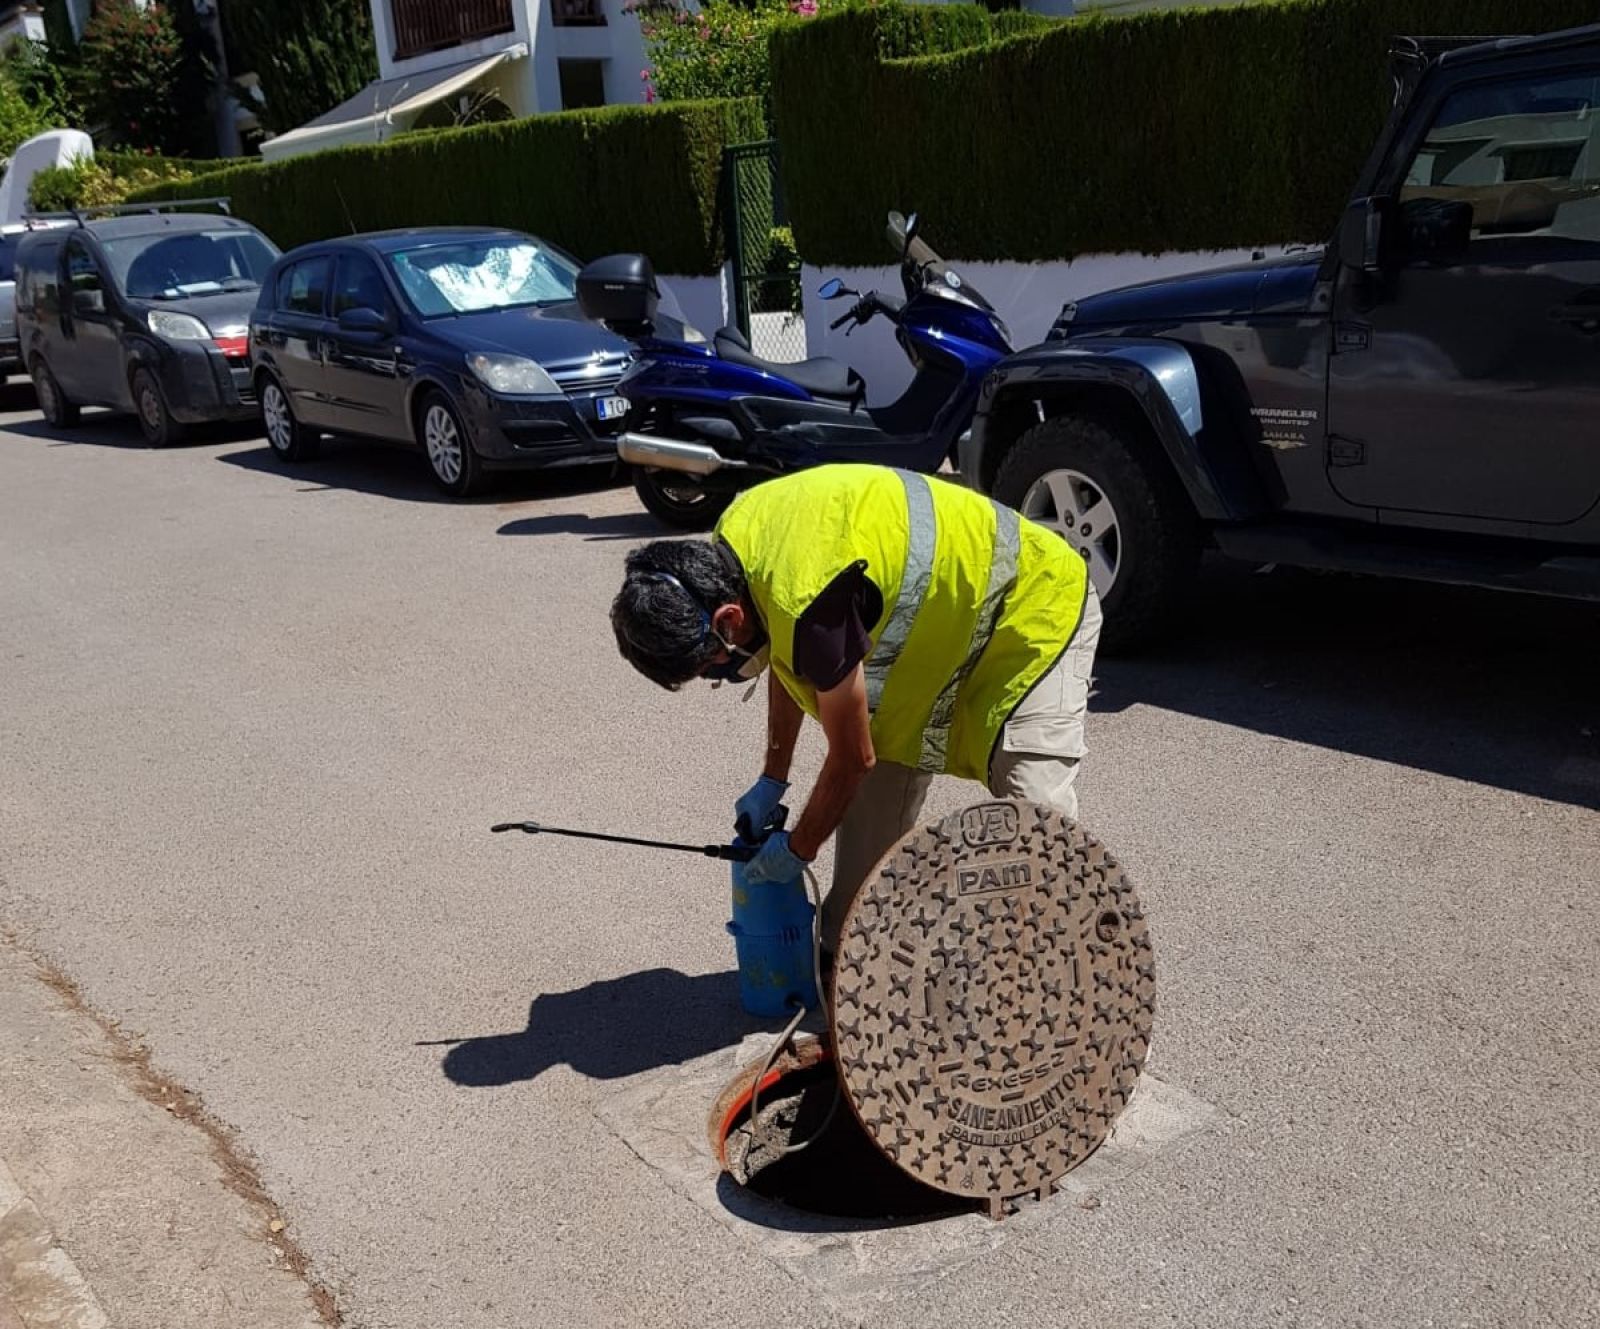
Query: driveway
[255, 724]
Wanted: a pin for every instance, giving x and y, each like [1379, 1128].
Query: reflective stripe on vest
[1002, 577]
[924, 535]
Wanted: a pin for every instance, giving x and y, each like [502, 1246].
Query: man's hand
[848, 725]
[774, 861]
[754, 810]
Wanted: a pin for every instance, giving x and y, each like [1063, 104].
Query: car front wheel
[58, 412]
[456, 468]
[160, 430]
[1117, 503]
[290, 440]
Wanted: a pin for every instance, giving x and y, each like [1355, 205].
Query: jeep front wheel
[1117, 503]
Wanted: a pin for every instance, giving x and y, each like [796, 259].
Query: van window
[303, 286]
[37, 288]
[83, 273]
[167, 266]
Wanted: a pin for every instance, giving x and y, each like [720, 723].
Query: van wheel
[160, 430]
[290, 440]
[1120, 508]
[456, 467]
[59, 413]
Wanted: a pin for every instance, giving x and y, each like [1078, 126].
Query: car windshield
[173, 267]
[494, 272]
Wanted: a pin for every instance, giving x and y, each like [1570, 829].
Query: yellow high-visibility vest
[978, 603]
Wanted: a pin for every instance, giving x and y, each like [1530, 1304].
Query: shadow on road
[613, 526]
[1490, 687]
[110, 429]
[391, 470]
[607, 1030]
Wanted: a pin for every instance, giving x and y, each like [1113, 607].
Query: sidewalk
[118, 1211]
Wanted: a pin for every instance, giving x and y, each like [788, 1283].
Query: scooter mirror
[833, 288]
[911, 230]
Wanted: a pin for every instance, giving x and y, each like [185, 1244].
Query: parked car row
[467, 344]
[1416, 398]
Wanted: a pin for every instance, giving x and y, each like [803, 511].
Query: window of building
[583, 83]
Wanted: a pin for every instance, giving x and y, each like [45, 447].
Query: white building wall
[533, 84]
[1028, 297]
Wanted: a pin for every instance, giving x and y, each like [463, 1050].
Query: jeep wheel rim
[1077, 509]
[275, 411]
[443, 439]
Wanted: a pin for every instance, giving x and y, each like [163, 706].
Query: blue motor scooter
[705, 421]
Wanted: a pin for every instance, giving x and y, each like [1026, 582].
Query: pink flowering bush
[716, 50]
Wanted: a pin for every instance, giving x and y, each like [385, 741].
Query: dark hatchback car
[467, 344]
[144, 313]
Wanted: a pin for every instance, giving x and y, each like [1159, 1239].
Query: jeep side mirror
[1361, 235]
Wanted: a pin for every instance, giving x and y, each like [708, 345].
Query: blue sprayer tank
[771, 928]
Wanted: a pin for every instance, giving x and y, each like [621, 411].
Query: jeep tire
[1142, 540]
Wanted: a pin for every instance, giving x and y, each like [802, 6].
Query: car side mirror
[88, 302]
[1437, 228]
[364, 320]
[1361, 235]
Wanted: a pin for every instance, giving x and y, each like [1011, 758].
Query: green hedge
[617, 178]
[1173, 130]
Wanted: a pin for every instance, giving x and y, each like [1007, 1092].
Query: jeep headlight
[174, 326]
[512, 374]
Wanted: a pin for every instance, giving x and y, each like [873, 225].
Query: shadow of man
[607, 1030]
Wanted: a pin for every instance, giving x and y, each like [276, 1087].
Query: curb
[41, 1286]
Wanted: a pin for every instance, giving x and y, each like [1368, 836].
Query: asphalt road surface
[255, 723]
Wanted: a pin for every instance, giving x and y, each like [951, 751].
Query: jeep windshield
[165, 266]
[473, 276]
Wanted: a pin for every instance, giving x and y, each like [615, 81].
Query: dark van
[146, 313]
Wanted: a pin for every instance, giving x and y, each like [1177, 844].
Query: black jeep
[1420, 399]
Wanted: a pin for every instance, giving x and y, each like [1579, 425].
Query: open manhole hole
[990, 1007]
[838, 1172]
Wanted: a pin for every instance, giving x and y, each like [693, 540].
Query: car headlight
[511, 373]
[177, 327]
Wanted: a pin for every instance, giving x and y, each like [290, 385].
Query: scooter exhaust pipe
[672, 454]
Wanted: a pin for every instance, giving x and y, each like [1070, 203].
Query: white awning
[384, 106]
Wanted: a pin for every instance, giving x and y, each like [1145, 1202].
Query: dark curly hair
[660, 623]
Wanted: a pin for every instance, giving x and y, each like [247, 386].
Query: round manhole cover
[992, 1000]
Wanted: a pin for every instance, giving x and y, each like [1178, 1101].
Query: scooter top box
[620, 291]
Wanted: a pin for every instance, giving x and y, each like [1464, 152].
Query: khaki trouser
[1036, 760]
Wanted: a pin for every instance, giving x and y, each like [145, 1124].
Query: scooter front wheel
[677, 500]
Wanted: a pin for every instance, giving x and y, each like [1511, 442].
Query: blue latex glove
[754, 810]
[774, 861]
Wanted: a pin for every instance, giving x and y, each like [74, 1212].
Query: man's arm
[784, 718]
[846, 722]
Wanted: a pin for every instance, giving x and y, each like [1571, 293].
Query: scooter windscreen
[931, 269]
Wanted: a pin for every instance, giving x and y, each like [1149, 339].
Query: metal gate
[766, 275]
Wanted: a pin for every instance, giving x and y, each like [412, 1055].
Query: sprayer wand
[729, 853]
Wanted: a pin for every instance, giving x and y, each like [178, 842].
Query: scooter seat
[821, 376]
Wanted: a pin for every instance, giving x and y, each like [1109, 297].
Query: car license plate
[611, 408]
